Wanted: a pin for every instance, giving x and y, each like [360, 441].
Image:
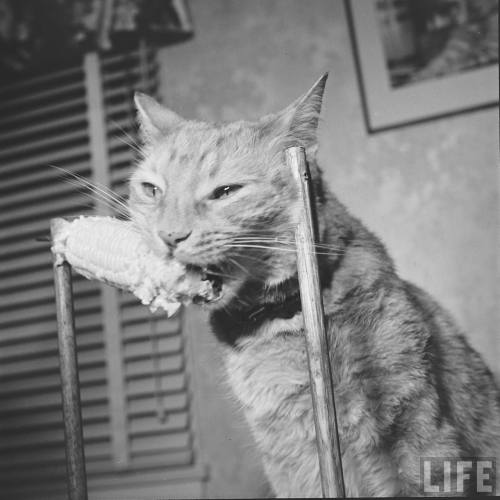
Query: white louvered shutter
[139, 430]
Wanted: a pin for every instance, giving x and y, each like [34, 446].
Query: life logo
[450, 476]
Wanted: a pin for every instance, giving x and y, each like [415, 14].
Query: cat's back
[469, 395]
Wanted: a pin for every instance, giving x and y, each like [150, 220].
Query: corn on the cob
[112, 251]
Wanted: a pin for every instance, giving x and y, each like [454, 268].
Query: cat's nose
[173, 238]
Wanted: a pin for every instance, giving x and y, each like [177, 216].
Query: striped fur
[407, 382]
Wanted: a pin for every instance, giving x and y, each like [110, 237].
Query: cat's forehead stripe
[173, 154]
[203, 156]
[213, 170]
[201, 149]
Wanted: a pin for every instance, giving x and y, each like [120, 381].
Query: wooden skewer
[325, 418]
[73, 431]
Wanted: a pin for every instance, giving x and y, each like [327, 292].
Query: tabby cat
[219, 198]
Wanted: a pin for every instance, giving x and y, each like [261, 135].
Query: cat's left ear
[298, 121]
[154, 119]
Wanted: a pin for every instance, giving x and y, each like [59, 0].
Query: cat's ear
[154, 119]
[298, 122]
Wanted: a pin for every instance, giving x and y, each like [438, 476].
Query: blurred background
[159, 420]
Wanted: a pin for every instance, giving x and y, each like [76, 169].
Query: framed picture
[423, 59]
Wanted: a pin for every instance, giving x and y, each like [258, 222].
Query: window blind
[139, 428]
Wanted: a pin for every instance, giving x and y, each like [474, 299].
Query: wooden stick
[325, 418]
[75, 457]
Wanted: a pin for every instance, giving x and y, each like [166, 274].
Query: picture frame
[387, 105]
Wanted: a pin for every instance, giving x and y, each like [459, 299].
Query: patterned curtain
[36, 34]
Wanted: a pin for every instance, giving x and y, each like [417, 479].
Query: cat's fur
[407, 383]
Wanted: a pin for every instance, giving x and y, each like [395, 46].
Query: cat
[219, 198]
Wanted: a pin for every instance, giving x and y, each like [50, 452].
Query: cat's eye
[224, 191]
[149, 189]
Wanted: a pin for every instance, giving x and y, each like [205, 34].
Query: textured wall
[430, 191]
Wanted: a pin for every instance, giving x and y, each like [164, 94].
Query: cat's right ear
[296, 124]
[154, 119]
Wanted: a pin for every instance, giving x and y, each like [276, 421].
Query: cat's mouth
[213, 276]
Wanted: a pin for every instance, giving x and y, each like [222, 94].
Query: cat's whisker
[265, 247]
[241, 254]
[93, 196]
[320, 250]
[219, 274]
[129, 144]
[87, 191]
[82, 183]
[237, 264]
[264, 243]
[131, 140]
[105, 195]
[104, 190]
[281, 249]
[118, 202]
[244, 302]
[283, 241]
[264, 240]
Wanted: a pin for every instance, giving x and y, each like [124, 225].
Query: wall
[430, 191]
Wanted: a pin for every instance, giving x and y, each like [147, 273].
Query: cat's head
[219, 197]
